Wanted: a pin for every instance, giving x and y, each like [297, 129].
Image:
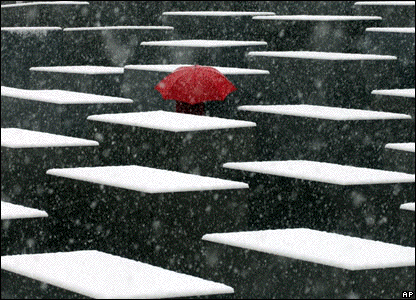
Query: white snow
[322, 18]
[170, 121]
[172, 67]
[408, 206]
[408, 147]
[119, 28]
[322, 172]
[14, 211]
[60, 96]
[320, 247]
[410, 93]
[388, 3]
[324, 112]
[322, 55]
[101, 275]
[218, 13]
[29, 28]
[22, 138]
[204, 43]
[46, 3]
[391, 29]
[148, 180]
[89, 70]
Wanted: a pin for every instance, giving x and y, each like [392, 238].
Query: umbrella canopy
[195, 84]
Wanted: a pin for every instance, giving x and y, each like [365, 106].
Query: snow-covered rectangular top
[45, 3]
[119, 28]
[388, 3]
[101, 275]
[331, 249]
[322, 172]
[14, 211]
[60, 96]
[410, 93]
[170, 121]
[320, 18]
[322, 55]
[323, 112]
[30, 28]
[204, 43]
[391, 29]
[23, 138]
[147, 180]
[408, 147]
[89, 70]
[217, 13]
[172, 67]
[408, 206]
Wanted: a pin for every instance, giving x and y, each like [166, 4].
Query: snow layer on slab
[320, 247]
[322, 18]
[119, 28]
[388, 3]
[324, 112]
[145, 179]
[172, 67]
[204, 43]
[14, 211]
[101, 275]
[391, 29]
[218, 13]
[408, 147]
[170, 121]
[60, 96]
[22, 138]
[30, 28]
[45, 3]
[322, 172]
[408, 206]
[322, 55]
[89, 70]
[410, 93]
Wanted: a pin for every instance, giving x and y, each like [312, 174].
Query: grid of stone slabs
[314, 32]
[25, 47]
[109, 45]
[395, 100]
[174, 141]
[152, 215]
[356, 201]
[55, 111]
[213, 24]
[400, 157]
[247, 82]
[26, 155]
[324, 78]
[225, 53]
[21, 229]
[324, 133]
[317, 264]
[101, 80]
[97, 274]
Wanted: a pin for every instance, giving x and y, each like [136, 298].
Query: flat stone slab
[14, 211]
[306, 244]
[321, 55]
[408, 206]
[408, 93]
[88, 70]
[323, 172]
[407, 147]
[100, 275]
[148, 180]
[204, 43]
[22, 138]
[391, 29]
[320, 18]
[217, 13]
[324, 112]
[171, 121]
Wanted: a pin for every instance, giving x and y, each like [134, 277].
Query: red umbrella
[192, 85]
